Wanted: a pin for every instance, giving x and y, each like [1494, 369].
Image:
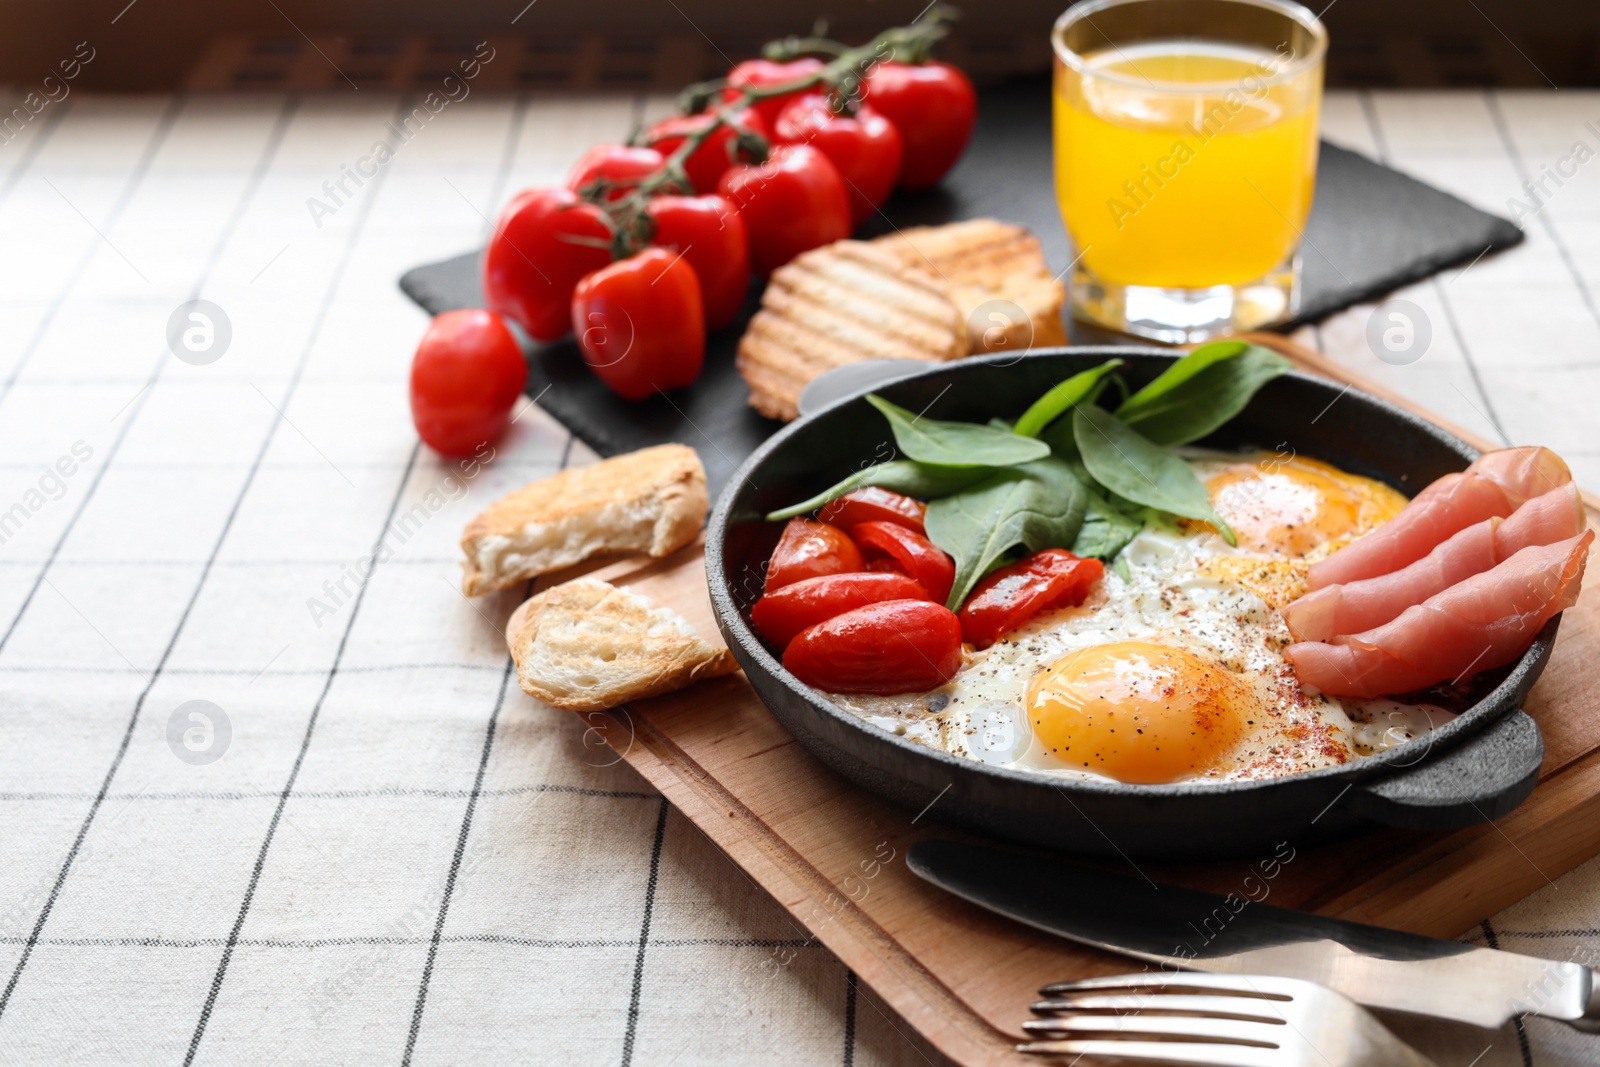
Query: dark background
[629, 45]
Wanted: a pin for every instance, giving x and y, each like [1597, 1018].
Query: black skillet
[1476, 768]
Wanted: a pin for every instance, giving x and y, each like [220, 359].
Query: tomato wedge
[1009, 597]
[808, 549]
[916, 555]
[781, 615]
[899, 646]
[873, 504]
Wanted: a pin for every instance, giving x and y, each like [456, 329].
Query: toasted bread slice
[997, 275]
[587, 645]
[653, 500]
[839, 304]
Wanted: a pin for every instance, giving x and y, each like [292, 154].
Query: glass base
[1187, 316]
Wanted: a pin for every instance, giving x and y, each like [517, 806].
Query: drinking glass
[1186, 160]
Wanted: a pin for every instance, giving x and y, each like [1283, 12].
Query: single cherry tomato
[711, 236]
[764, 74]
[465, 377]
[619, 165]
[899, 646]
[807, 549]
[1010, 596]
[792, 203]
[874, 504]
[540, 248]
[934, 107]
[917, 556]
[783, 613]
[706, 164]
[864, 147]
[640, 323]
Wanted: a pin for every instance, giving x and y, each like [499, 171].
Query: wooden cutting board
[834, 856]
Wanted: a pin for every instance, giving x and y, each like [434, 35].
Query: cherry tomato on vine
[618, 164]
[706, 164]
[545, 241]
[864, 147]
[807, 549]
[898, 646]
[465, 377]
[792, 203]
[875, 504]
[763, 74]
[711, 236]
[934, 107]
[916, 555]
[1010, 596]
[640, 323]
[782, 614]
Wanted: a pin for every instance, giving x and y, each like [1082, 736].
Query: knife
[1238, 934]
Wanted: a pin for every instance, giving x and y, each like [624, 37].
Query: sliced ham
[1483, 621]
[1355, 606]
[1494, 486]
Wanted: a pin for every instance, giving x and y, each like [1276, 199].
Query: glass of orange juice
[1186, 160]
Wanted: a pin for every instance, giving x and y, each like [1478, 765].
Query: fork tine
[1160, 1028]
[1157, 983]
[1242, 1008]
[1177, 1053]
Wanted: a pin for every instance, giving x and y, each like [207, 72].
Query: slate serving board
[1371, 230]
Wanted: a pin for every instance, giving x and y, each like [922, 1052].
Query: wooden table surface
[116, 210]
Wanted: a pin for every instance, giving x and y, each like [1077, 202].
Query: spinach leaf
[1106, 529]
[1214, 390]
[1135, 468]
[921, 480]
[1038, 505]
[1188, 366]
[956, 444]
[1084, 386]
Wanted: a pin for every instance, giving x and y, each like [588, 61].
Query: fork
[1236, 1020]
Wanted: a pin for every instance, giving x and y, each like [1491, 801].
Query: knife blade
[1237, 933]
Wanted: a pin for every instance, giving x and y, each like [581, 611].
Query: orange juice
[1185, 164]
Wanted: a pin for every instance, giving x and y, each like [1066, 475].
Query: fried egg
[1173, 669]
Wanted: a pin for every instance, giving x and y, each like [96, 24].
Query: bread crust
[588, 645]
[652, 501]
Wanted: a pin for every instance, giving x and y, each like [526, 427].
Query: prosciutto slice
[1483, 621]
[1361, 605]
[1494, 486]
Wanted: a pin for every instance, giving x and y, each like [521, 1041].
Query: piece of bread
[587, 645]
[997, 275]
[653, 500]
[842, 303]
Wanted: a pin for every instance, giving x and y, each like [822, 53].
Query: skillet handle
[1472, 783]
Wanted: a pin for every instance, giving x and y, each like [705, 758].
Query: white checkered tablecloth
[366, 845]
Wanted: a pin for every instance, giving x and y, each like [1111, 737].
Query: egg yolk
[1296, 506]
[1139, 712]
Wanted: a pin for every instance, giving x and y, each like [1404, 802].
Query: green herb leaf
[1137, 469]
[1084, 386]
[956, 444]
[921, 480]
[1106, 530]
[1037, 505]
[1216, 383]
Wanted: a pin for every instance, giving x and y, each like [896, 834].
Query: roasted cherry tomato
[863, 147]
[1010, 596]
[783, 613]
[617, 164]
[899, 646]
[763, 74]
[640, 323]
[792, 203]
[711, 236]
[465, 377]
[540, 248]
[917, 556]
[933, 105]
[873, 504]
[706, 164]
[808, 549]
